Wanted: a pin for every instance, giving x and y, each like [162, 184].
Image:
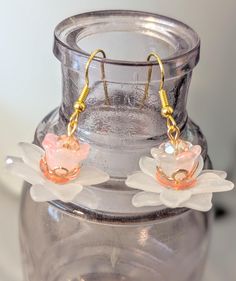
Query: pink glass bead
[177, 163]
[63, 156]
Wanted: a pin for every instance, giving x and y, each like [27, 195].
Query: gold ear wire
[103, 78]
[80, 105]
[173, 130]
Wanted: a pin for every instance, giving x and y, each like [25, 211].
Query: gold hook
[92, 56]
[173, 130]
[157, 57]
[80, 105]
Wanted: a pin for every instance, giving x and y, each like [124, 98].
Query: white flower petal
[221, 174]
[210, 182]
[12, 159]
[200, 202]
[199, 167]
[31, 154]
[16, 166]
[208, 176]
[39, 193]
[146, 199]
[88, 198]
[155, 152]
[64, 192]
[144, 182]
[148, 166]
[91, 176]
[174, 198]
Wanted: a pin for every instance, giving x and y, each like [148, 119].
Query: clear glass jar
[100, 235]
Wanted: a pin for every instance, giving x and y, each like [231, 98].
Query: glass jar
[100, 235]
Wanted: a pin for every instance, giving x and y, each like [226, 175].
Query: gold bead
[165, 111]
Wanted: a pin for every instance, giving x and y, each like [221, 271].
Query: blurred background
[30, 83]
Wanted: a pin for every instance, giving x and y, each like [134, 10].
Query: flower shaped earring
[56, 172]
[174, 177]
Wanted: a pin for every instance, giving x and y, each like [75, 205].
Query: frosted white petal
[221, 174]
[91, 175]
[146, 199]
[174, 198]
[17, 167]
[155, 152]
[208, 176]
[64, 192]
[39, 193]
[144, 182]
[88, 198]
[148, 166]
[210, 182]
[12, 159]
[31, 154]
[200, 167]
[200, 202]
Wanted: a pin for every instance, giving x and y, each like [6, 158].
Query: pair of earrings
[173, 177]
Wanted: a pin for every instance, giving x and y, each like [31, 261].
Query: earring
[174, 176]
[56, 172]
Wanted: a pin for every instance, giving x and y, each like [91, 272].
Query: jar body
[101, 235]
[58, 246]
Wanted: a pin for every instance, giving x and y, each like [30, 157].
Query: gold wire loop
[173, 133]
[80, 104]
[170, 121]
[73, 123]
[173, 130]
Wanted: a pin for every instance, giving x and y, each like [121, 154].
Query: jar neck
[125, 129]
[125, 96]
[126, 69]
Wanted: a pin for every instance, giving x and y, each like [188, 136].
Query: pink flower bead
[176, 164]
[63, 156]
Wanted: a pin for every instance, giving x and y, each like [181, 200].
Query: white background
[30, 84]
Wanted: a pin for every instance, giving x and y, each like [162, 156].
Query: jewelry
[174, 177]
[57, 171]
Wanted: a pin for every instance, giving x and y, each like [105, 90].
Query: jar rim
[63, 29]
